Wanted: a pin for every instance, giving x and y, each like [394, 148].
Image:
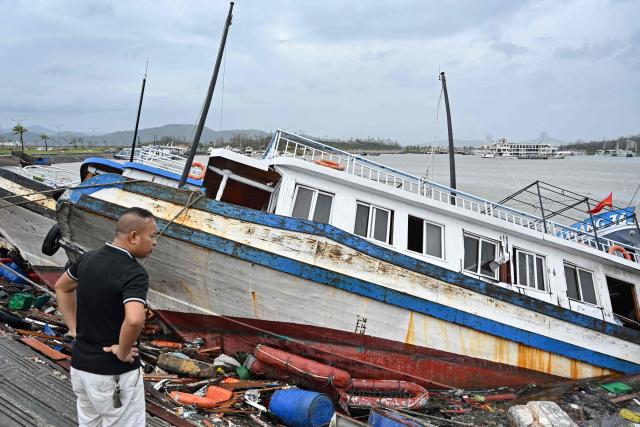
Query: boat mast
[135, 132]
[452, 162]
[207, 102]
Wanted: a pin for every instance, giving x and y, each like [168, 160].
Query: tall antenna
[452, 162]
[135, 132]
[207, 102]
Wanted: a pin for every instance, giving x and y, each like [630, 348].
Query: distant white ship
[504, 149]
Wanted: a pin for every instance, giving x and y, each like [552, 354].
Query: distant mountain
[456, 142]
[175, 131]
[179, 132]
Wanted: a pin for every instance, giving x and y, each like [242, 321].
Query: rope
[224, 72]
[634, 195]
[436, 134]
[12, 204]
[189, 203]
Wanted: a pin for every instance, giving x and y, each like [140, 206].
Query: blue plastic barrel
[382, 418]
[301, 408]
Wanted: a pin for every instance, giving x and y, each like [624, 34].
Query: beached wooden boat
[373, 270]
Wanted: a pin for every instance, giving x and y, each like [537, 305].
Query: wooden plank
[625, 397]
[44, 349]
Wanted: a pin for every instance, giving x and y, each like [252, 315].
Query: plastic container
[382, 418]
[301, 408]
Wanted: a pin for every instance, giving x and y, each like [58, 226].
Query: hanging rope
[189, 203]
[436, 134]
[224, 72]
[634, 196]
[45, 192]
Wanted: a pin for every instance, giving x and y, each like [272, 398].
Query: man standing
[102, 298]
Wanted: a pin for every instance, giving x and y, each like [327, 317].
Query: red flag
[608, 201]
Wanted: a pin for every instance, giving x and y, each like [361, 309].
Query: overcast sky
[328, 68]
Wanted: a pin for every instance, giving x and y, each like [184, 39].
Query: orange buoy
[166, 344]
[330, 164]
[192, 399]
[197, 171]
[218, 394]
[617, 248]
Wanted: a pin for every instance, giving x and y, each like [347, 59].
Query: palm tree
[44, 137]
[19, 129]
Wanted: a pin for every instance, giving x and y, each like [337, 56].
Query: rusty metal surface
[34, 393]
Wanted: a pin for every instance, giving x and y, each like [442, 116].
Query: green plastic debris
[20, 301]
[243, 373]
[617, 388]
[41, 300]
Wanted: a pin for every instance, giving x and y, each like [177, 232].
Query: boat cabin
[301, 178]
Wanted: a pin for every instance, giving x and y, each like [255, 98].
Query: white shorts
[95, 399]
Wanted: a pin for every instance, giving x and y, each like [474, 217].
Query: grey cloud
[410, 19]
[98, 9]
[509, 48]
[590, 51]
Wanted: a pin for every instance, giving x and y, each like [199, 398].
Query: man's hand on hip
[115, 349]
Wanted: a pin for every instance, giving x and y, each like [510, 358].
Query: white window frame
[535, 256]
[424, 238]
[371, 222]
[593, 280]
[479, 268]
[314, 198]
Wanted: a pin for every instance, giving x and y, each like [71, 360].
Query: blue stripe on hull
[372, 290]
[355, 242]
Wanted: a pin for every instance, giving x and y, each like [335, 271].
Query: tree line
[604, 144]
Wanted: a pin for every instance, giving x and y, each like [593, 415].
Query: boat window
[580, 284]
[624, 303]
[424, 237]
[312, 204]
[362, 220]
[478, 254]
[530, 270]
[373, 222]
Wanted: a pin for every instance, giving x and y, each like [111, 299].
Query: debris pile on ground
[194, 381]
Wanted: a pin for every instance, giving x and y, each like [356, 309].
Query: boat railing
[52, 176]
[286, 144]
[160, 158]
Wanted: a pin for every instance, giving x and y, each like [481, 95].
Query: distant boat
[505, 149]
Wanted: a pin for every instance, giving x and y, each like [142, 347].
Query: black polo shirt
[107, 278]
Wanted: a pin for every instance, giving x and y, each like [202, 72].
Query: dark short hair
[131, 219]
[140, 212]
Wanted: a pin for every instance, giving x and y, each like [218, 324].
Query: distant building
[9, 144]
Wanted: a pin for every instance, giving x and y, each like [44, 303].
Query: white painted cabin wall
[343, 217]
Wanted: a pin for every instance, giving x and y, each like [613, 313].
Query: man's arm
[66, 298]
[129, 332]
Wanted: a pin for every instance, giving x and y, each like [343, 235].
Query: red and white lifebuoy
[197, 171]
[369, 393]
[617, 248]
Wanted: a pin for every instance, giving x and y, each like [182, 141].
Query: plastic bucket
[301, 408]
